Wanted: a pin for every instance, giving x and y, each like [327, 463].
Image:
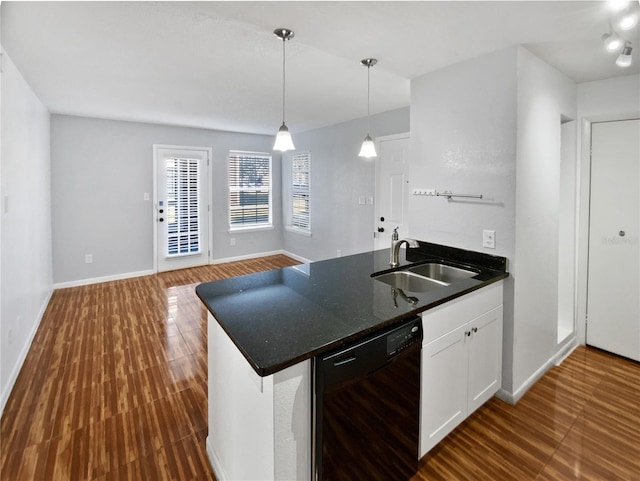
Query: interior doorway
[181, 206]
[392, 189]
[613, 290]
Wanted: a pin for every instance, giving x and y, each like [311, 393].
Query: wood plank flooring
[115, 388]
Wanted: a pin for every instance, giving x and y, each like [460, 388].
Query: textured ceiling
[217, 64]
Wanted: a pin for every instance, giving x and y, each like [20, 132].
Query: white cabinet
[461, 361]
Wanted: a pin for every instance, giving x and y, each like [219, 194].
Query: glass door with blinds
[181, 207]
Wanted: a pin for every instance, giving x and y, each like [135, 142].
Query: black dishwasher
[366, 407]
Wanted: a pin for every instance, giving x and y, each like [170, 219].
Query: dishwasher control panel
[400, 339]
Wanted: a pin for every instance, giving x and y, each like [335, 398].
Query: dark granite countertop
[280, 317]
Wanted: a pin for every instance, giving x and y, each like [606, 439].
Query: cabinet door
[485, 357]
[443, 403]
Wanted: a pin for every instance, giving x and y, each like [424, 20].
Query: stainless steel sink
[441, 272]
[410, 281]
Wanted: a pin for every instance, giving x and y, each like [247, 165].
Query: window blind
[300, 190]
[183, 206]
[249, 189]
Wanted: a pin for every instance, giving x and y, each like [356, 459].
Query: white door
[485, 358]
[392, 189]
[613, 306]
[181, 206]
[443, 400]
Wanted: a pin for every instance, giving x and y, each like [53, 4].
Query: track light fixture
[628, 19]
[624, 18]
[612, 42]
[283, 141]
[368, 149]
[618, 5]
[624, 59]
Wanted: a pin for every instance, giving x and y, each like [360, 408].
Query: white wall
[100, 172]
[544, 97]
[463, 139]
[491, 126]
[338, 178]
[612, 99]
[26, 258]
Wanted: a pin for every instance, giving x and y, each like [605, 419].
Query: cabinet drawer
[445, 318]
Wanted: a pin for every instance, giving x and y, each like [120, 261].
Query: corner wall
[25, 248]
[463, 139]
[545, 97]
[100, 172]
[492, 126]
[338, 178]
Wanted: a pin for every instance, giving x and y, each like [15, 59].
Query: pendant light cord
[284, 78]
[368, 97]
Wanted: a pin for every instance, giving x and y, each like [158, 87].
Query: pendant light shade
[283, 142]
[368, 149]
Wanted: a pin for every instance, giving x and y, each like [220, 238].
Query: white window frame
[236, 155]
[291, 190]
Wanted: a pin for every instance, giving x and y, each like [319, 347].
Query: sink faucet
[395, 247]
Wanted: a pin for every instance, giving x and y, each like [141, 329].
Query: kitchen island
[264, 330]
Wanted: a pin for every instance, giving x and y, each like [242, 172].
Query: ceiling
[218, 65]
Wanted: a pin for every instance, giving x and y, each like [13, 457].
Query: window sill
[297, 230]
[255, 228]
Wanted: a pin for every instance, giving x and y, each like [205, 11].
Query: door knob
[381, 219]
[161, 219]
[380, 229]
[621, 233]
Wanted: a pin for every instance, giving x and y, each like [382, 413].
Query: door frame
[378, 141]
[206, 178]
[584, 213]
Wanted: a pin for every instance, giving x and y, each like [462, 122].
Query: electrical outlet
[489, 239]
[339, 253]
[232, 241]
[88, 258]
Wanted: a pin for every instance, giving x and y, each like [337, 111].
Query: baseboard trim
[260, 254]
[214, 461]
[130, 275]
[513, 397]
[98, 280]
[297, 257]
[6, 392]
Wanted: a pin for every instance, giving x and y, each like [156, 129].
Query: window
[299, 219]
[249, 190]
[183, 206]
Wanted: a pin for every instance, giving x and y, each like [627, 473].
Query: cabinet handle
[467, 333]
[475, 329]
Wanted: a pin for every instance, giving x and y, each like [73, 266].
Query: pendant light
[283, 141]
[368, 149]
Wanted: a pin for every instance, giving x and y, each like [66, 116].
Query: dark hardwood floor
[115, 388]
